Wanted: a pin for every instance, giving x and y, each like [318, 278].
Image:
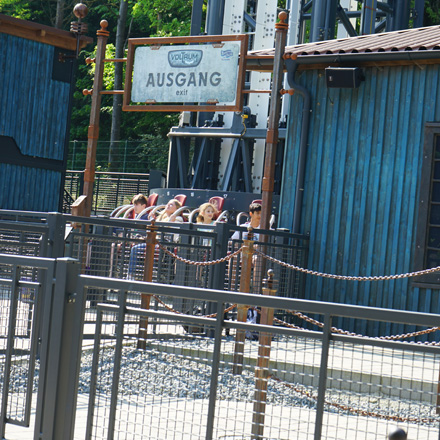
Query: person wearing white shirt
[254, 223]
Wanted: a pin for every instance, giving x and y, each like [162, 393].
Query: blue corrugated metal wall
[362, 181]
[33, 110]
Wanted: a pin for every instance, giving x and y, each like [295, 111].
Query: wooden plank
[41, 33]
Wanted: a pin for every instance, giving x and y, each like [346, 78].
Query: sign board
[165, 75]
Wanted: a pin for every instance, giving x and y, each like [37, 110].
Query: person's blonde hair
[163, 216]
[202, 208]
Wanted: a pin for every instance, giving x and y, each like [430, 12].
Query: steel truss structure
[222, 162]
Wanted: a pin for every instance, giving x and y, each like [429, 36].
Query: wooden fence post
[262, 369]
[150, 246]
[93, 130]
[245, 287]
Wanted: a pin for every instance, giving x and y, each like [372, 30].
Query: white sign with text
[196, 73]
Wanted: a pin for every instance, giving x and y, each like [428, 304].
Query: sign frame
[133, 43]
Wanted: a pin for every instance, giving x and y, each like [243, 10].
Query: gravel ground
[175, 376]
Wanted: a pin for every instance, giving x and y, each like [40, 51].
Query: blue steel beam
[368, 17]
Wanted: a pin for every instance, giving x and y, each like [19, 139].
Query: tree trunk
[117, 99]
[60, 14]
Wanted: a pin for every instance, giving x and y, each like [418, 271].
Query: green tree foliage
[166, 17]
[40, 11]
[432, 12]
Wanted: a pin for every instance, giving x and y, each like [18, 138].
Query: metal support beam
[381, 26]
[317, 26]
[200, 161]
[246, 160]
[419, 9]
[368, 18]
[230, 166]
[401, 14]
[196, 17]
[330, 19]
[181, 161]
[385, 7]
[214, 17]
[60, 355]
[249, 20]
[343, 18]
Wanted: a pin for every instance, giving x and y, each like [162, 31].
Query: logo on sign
[185, 58]
[226, 54]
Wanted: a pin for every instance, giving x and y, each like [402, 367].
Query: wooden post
[267, 184]
[77, 209]
[245, 287]
[262, 370]
[93, 131]
[150, 246]
[274, 119]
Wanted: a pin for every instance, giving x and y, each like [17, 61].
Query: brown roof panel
[41, 33]
[419, 39]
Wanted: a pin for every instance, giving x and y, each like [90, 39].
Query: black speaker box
[346, 77]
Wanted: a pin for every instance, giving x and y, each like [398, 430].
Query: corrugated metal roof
[425, 39]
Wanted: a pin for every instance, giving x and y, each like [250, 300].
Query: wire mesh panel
[20, 297]
[154, 369]
[159, 386]
[14, 241]
[386, 386]
[280, 247]
[282, 413]
[110, 189]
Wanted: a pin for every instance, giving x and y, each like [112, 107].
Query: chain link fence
[128, 156]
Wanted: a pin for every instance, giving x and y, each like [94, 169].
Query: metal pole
[274, 116]
[60, 355]
[117, 364]
[93, 131]
[196, 17]
[368, 18]
[326, 337]
[215, 370]
[317, 24]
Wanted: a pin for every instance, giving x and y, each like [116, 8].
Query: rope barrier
[213, 315]
[312, 321]
[317, 323]
[303, 270]
[200, 263]
[308, 393]
[348, 277]
[315, 273]
[347, 333]
[361, 412]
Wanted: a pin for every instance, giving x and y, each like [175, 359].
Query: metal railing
[116, 248]
[110, 189]
[156, 373]
[166, 362]
[292, 383]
